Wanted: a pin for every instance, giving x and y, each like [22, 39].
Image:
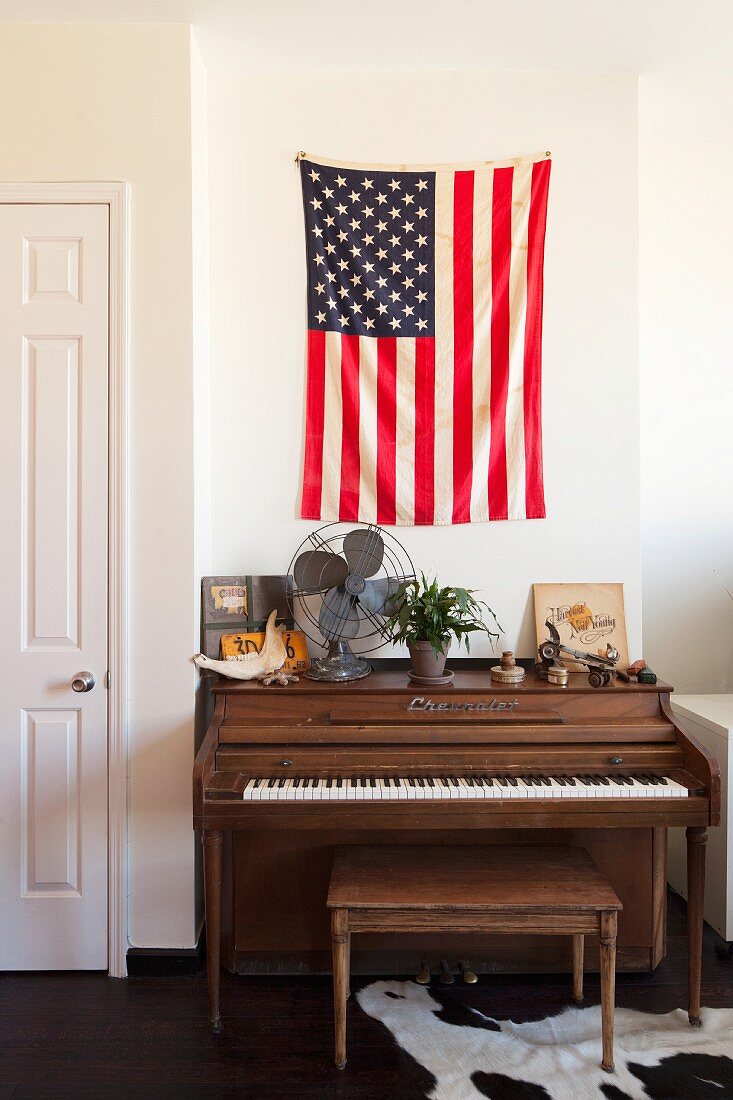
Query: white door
[53, 586]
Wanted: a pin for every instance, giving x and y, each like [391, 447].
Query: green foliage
[419, 611]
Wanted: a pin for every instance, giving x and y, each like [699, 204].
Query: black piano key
[412, 781]
[329, 783]
[654, 779]
[644, 779]
[487, 781]
[604, 780]
[271, 782]
[561, 780]
[339, 782]
[585, 780]
[372, 781]
[420, 781]
[431, 782]
[502, 781]
[571, 780]
[387, 781]
[662, 780]
[362, 782]
[257, 783]
[595, 780]
[511, 779]
[281, 782]
[453, 781]
[545, 781]
[354, 782]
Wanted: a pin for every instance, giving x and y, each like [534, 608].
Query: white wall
[113, 103]
[686, 342]
[591, 414]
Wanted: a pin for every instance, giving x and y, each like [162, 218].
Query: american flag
[423, 400]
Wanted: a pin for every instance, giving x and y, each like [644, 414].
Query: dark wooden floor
[85, 1035]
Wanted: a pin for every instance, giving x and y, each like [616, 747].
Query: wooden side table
[553, 891]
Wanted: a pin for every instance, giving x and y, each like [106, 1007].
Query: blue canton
[370, 246]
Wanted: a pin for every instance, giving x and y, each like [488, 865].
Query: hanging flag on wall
[423, 396]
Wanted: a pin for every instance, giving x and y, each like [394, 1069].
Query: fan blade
[377, 594]
[364, 551]
[338, 617]
[317, 570]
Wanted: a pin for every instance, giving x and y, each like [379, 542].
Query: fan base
[338, 669]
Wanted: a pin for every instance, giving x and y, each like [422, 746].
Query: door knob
[83, 681]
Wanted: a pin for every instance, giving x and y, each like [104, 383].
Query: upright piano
[475, 760]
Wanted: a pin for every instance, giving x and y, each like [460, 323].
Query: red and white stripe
[444, 429]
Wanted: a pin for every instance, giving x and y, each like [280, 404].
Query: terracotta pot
[425, 661]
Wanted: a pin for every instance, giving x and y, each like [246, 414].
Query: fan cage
[329, 538]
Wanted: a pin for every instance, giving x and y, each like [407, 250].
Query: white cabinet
[709, 718]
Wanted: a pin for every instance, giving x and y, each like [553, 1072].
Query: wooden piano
[379, 759]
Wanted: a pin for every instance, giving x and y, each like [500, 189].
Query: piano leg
[212, 841]
[697, 838]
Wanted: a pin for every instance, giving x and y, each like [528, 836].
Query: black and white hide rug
[471, 1056]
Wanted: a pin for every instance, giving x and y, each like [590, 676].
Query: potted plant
[426, 618]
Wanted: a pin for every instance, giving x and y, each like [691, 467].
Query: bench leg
[578, 944]
[340, 950]
[608, 984]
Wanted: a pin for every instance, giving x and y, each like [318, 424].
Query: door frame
[116, 196]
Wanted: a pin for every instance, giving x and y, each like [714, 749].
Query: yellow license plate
[296, 646]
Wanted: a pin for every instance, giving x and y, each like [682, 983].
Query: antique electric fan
[342, 581]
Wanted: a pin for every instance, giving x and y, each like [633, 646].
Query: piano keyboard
[371, 788]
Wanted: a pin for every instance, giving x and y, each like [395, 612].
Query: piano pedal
[469, 976]
[423, 978]
[446, 975]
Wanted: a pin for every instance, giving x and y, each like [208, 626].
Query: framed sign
[587, 617]
[240, 603]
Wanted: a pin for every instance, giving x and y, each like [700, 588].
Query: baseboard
[166, 962]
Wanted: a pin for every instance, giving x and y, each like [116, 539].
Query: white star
[331, 304]
[355, 224]
[381, 254]
[343, 265]
[343, 292]
[394, 184]
[368, 211]
[343, 321]
[369, 323]
[343, 236]
[330, 276]
[355, 251]
[394, 212]
[407, 199]
[368, 293]
[366, 184]
[422, 296]
[356, 307]
[319, 259]
[408, 227]
[422, 268]
[368, 267]
[422, 212]
[328, 192]
[408, 254]
[356, 279]
[341, 181]
[330, 248]
[395, 268]
[368, 239]
[394, 240]
[381, 281]
[317, 230]
[422, 324]
[320, 288]
[314, 175]
[341, 208]
[329, 220]
[381, 308]
[407, 283]
[394, 323]
[354, 196]
[381, 198]
[422, 241]
[408, 311]
[322, 318]
[395, 296]
[421, 185]
[382, 227]
[316, 204]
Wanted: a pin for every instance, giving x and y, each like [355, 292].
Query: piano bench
[552, 891]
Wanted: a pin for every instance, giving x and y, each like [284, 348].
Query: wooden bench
[552, 891]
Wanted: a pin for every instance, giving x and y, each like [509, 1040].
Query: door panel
[53, 585]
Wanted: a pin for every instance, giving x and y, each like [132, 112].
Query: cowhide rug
[558, 1058]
